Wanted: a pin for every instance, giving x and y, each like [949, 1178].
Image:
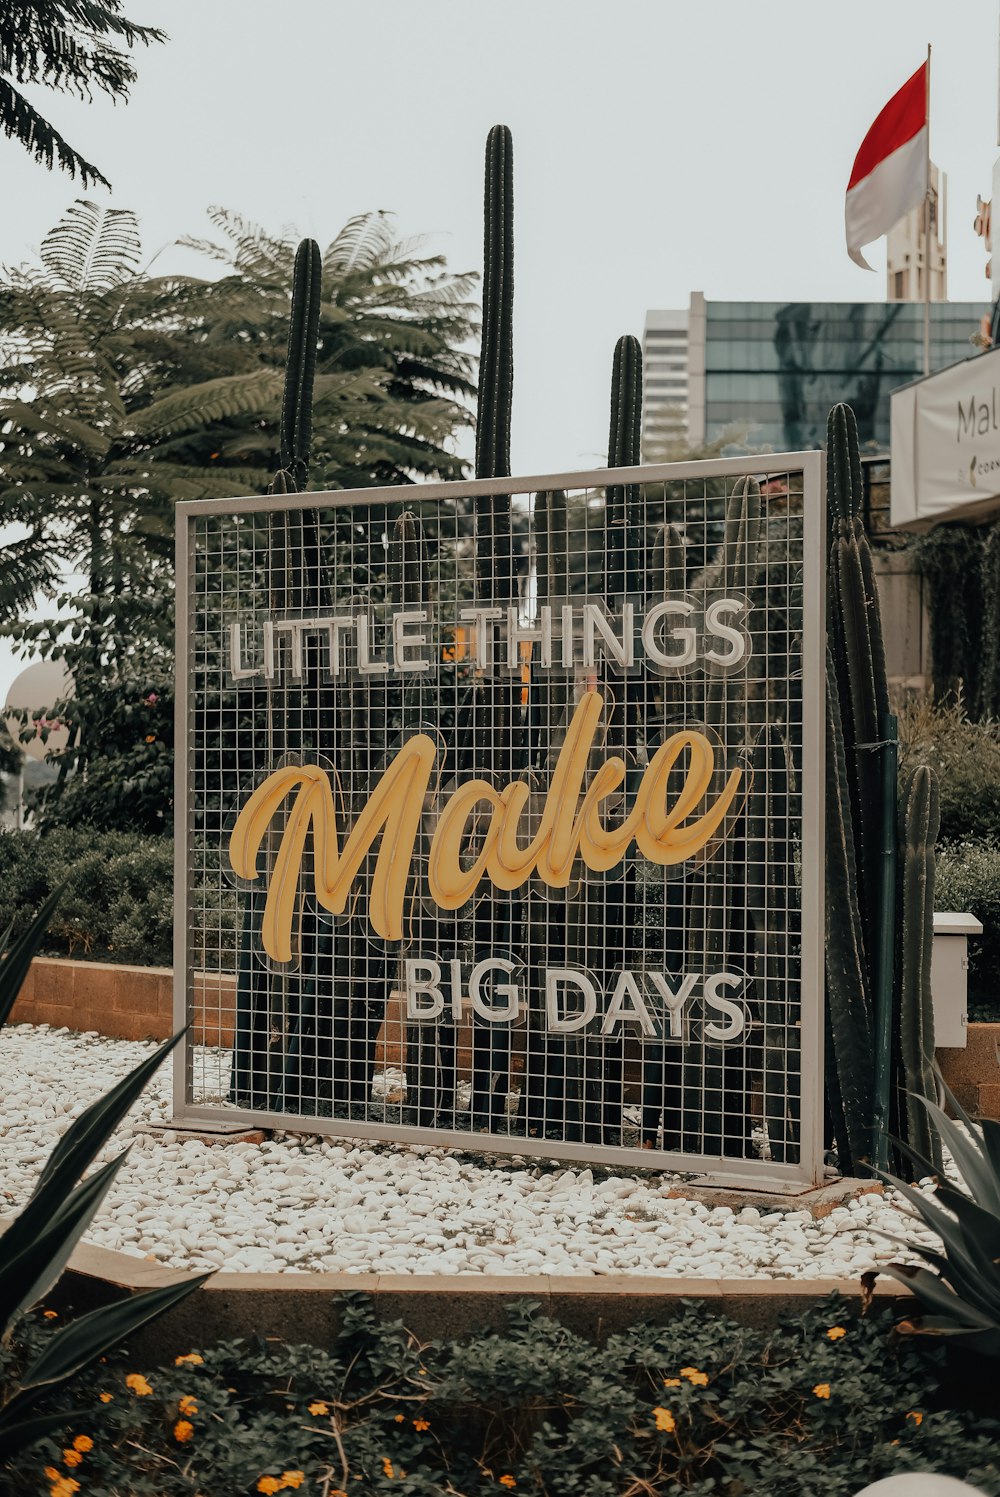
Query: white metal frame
[725, 1171]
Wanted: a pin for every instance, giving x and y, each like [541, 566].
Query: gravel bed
[299, 1203]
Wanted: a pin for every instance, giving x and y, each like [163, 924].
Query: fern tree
[121, 394]
[74, 46]
[393, 369]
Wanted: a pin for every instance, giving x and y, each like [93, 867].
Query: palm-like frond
[22, 122]
[92, 248]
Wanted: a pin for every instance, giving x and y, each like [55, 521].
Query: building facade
[765, 374]
[664, 382]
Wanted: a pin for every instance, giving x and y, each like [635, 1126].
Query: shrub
[966, 758]
[701, 1404]
[118, 902]
[967, 877]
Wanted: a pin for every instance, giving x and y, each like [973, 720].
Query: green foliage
[74, 46]
[965, 756]
[38, 1243]
[967, 878]
[958, 1284]
[950, 557]
[117, 902]
[529, 1407]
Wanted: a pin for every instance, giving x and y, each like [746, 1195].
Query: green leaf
[14, 966]
[973, 1164]
[930, 1291]
[18, 1434]
[31, 1262]
[83, 1340]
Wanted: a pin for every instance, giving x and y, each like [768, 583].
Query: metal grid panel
[547, 962]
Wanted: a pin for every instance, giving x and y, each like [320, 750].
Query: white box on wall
[949, 977]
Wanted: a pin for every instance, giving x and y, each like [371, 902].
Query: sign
[946, 445]
[497, 799]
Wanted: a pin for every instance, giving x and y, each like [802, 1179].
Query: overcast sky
[660, 146]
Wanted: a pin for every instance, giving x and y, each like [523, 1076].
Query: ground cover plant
[823, 1404]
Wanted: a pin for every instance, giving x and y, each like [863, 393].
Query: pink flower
[152, 699]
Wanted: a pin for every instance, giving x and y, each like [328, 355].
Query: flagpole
[927, 223]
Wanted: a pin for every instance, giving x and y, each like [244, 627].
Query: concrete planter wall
[973, 1073]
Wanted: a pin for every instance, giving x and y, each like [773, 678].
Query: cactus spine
[921, 819]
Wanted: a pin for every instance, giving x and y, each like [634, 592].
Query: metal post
[885, 972]
[927, 224]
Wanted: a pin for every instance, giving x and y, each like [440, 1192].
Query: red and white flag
[890, 170]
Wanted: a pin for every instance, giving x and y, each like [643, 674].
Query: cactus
[300, 370]
[496, 709]
[920, 821]
[859, 654]
[667, 573]
[848, 981]
[295, 581]
[774, 905]
[496, 365]
[622, 564]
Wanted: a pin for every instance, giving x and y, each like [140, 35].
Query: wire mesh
[501, 815]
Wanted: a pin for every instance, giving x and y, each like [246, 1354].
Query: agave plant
[958, 1285]
[37, 1244]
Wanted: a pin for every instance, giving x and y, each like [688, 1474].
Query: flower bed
[826, 1402]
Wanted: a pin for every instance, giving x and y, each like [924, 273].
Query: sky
[660, 147]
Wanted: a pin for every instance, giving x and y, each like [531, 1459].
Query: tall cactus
[294, 582]
[858, 650]
[920, 821]
[858, 706]
[300, 369]
[622, 563]
[497, 728]
[848, 979]
[496, 364]
[774, 903]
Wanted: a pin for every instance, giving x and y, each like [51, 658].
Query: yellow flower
[398, 1419]
[64, 1486]
[917, 1418]
[106, 1397]
[507, 1481]
[293, 1479]
[138, 1384]
[699, 1379]
[318, 1408]
[665, 1420]
[192, 1359]
[822, 1390]
[84, 1442]
[387, 1466]
[671, 1382]
[50, 1314]
[269, 1484]
[187, 1405]
[183, 1430]
[835, 1332]
[421, 1424]
[150, 737]
[72, 1458]
[52, 1474]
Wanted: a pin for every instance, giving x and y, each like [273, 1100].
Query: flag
[890, 169]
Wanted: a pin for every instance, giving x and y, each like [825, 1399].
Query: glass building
[774, 369]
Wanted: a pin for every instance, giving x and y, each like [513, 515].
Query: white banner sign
[946, 445]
